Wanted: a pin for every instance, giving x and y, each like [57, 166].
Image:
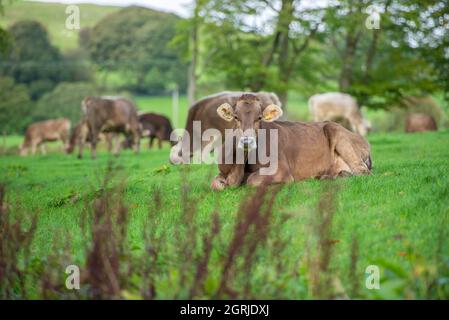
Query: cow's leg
[80, 142]
[236, 175]
[340, 145]
[219, 183]
[159, 141]
[109, 137]
[65, 141]
[43, 150]
[117, 145]
[23, 151]
[231, 175]
[93, 144]
[136, 140]
[33, 148]
[282, 175]
[65, 145]
[233, 179]
[339, 168]
[346, 151]
[151, 141]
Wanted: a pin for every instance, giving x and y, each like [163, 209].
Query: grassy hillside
[397, 216]
[53, 17]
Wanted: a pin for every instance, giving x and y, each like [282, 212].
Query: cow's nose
[247, 143]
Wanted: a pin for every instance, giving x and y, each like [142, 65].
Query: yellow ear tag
[270, 115]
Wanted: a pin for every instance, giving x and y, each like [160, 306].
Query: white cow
[333, 105]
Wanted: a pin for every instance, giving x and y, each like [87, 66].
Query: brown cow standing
[80, 134]
[420, 122]
[110, 115]
[305, 150]
[40, 132]
[205, 111]
[155, 126]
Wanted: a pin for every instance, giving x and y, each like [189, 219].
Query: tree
[194, 43]
[5, 41]
[262, 54]
[63, 101]
[15, 106]
[378, 65]
[32, 60]
[434, 44]
[4, 36]
[136, 43]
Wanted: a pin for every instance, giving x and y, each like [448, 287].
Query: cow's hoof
[218, 184]
[362, 169]
[256, 182]
[79, 157]
[345, 174]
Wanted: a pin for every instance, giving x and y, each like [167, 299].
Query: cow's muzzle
[247, 143]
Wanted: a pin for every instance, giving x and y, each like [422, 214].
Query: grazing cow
[80, 134]
[335, 105]
[155, 126]
[205, 111]
[304, 150]
[110, 115]
[40, 132]
[420, 122]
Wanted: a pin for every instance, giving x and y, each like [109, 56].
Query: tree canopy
[63, 101]
[15, 106]
[32, 60]
[286, 45]
[137, 42]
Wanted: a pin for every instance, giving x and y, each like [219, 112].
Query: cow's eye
[260, 118]
[236, 118]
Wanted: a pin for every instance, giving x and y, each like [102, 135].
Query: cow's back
[303, 145]
[107, 114]
[156, 122]
[331, 105]
[306, 147]
[48, 130]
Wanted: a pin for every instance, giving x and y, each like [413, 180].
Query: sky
[180, 7]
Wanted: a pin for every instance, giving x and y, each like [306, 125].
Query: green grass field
[398, 215]
[53, 17]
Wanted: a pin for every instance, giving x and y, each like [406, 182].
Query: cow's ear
[226, 112]
[271, 113]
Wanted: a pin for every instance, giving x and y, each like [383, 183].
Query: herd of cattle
[322, 148]
[104, 118]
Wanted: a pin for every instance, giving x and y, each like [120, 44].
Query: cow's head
[23, 150]
[247, 115]
[363, 127]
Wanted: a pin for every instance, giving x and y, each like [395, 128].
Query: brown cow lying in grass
[40, 132]
[305, 150]
[204, 111]
[420, 122]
